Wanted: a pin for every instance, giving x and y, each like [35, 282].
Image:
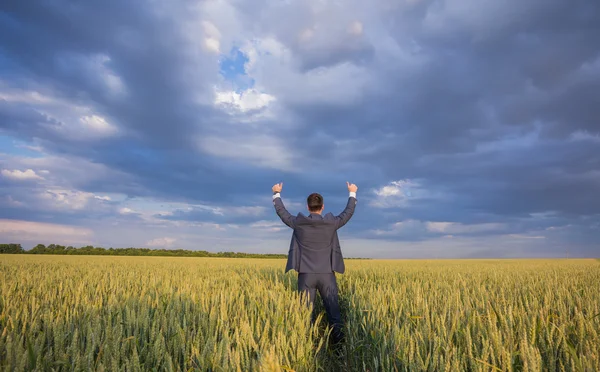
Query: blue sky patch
[12, 146]
[232, 69]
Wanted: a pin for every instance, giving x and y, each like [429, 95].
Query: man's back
[315, 235]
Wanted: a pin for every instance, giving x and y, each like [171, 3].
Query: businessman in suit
[315, 251]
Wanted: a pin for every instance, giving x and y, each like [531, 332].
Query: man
[315, 251]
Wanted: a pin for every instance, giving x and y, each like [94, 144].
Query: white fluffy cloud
[397, 194]
[98, 125]
[67, 199]
[126, 210]
[18, 175]
[85, 128]
[248, 100]
[396, 188]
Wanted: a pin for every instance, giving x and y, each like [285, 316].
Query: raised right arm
[347, 213]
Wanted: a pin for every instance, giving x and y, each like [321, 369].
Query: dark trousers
[309, 283]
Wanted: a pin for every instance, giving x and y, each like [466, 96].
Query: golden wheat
[141, 313]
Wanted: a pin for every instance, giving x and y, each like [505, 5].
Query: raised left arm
[285, 216]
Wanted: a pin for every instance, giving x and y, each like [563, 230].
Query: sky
[471, 127]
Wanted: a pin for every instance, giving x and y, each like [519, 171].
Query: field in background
[96, 313]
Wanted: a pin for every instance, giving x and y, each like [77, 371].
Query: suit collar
[315, 215]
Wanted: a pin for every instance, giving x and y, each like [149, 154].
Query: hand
[352, 187]
[277, 187]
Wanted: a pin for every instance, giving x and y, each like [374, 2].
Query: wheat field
[152, 313]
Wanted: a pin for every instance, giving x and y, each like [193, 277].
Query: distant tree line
[11, 248]
[99, 251]
[91, 250]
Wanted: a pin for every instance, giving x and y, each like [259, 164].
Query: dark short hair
[314, 202]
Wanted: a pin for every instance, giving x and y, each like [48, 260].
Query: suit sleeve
[285, 216]
[347, 213]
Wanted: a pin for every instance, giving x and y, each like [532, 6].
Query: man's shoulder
[303, 220]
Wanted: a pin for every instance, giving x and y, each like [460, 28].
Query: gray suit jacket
[315, 247]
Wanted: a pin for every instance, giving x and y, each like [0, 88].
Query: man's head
[314, 202]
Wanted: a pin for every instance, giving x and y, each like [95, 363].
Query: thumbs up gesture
[277, 187]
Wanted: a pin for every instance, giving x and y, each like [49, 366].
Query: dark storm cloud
[540, 71]
[57, 42]
[474, 81]
[62, 43]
